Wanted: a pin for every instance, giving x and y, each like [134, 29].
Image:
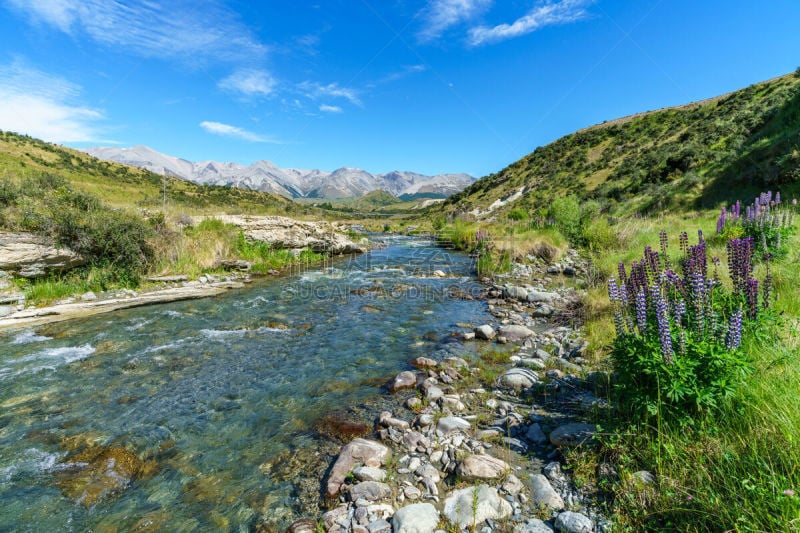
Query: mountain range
[265, 176]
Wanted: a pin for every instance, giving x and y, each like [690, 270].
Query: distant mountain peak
[263, 175]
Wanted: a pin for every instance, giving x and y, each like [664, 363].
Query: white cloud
[44, 106]
[561, 12]
[175, 29]
[330, 108]
[226, 130]
[440, 15]
[250, 83]
[332, 90]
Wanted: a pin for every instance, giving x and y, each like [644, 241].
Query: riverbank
[475, 442]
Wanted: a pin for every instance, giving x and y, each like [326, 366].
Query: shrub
[566, 214]
[518, 214]
[767, 220]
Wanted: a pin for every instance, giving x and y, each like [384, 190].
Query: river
[206, 392]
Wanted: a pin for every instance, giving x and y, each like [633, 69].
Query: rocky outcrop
[287, 233]
[31, 256]
[359, 451]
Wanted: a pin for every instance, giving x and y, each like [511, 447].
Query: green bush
[566, 213]
[518, 214]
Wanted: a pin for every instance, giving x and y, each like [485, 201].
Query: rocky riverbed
[450, 452]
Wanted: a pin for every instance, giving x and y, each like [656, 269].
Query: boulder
[97, 473]
[31, 256]
[472, 506]
[403, 380]
[541, 297]
[513, 291]
[359, 451]
[424, 362]
[514, 333]
[544, 496]
[485, 332]
[416, 518]
[451, 424]
[574, 434]
[569, 522]
[519, 378]
[372, 491]
[482, 467]
[535, 434]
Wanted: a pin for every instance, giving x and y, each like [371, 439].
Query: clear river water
[207, 392]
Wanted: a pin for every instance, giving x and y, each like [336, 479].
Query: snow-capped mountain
[289, 182]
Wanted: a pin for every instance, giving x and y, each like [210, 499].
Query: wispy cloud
[330, 108]
[45, 106]
[402, 73]
[249, 83]
[440, 15]
[315, 91]
[175, 29]
[551, 13]
[226, 130]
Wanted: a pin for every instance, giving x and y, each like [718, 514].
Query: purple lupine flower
[698, 287]
[683, 240]
[752, 298]
[613, 291]
[721, 222]
[623, 277]
[715, 261]
[740, 262]
[734, 338]
[662, 319]
[663, 241]
[641, 311]
[623, 295]
[778, 198]
[680, 310]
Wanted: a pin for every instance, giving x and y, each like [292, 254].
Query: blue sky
[431, 86]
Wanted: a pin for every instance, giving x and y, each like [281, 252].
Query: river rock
[569, 522]
[482, 467]
[379, 526]
[519, 378]
[574, 434]
[451, 424]
[512, 485]
[404, 380]
[359, 451]
[461, 510]
[424, 362]
[535, 434]
[541, 297]
[544, 496]
[485, 332]
[372, 491]
[335, 517]
[304, 525]
[416, 518]
[369, 473]
[513, 291]
[283, 232]
[97, 473]
[543, 311]
[387, 420]
[32, 256]
[514, 333]
[533, 525]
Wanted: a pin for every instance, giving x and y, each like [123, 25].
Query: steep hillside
[692, 156]
[125, 186]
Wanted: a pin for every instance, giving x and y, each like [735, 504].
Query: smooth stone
[482, 467]
[416, 518]
[88, 296]
[404, 380]
[359, 451]
[536, 364]
[512, 485]
[519, 378]
[424, 362]
[542, 311]
[574, 434]
[514, 333]
[371, 491]
[474, 505]
[369, 473]
[539, 296]
[642, 479]
[485, 332]
[379, 526]
[429, 471]
[535, 434]
[543, 495]
[334, 517]
[412, 493]
[516, 292]
[387, 420]
[304, 525]
[413, 441]
[569, 522]
[534, 525]
[451, 424]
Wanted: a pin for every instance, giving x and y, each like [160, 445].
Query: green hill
[125, 186]
[693, 156]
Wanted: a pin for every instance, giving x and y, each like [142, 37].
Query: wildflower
[689, 497]
[721, 222]
[734, 338]
[789, 492]
[752, 298]
[664, 333]
[641, 311]
[613, 290]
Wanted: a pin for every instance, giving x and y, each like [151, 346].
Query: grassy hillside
[124, 186]
[694, 156]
